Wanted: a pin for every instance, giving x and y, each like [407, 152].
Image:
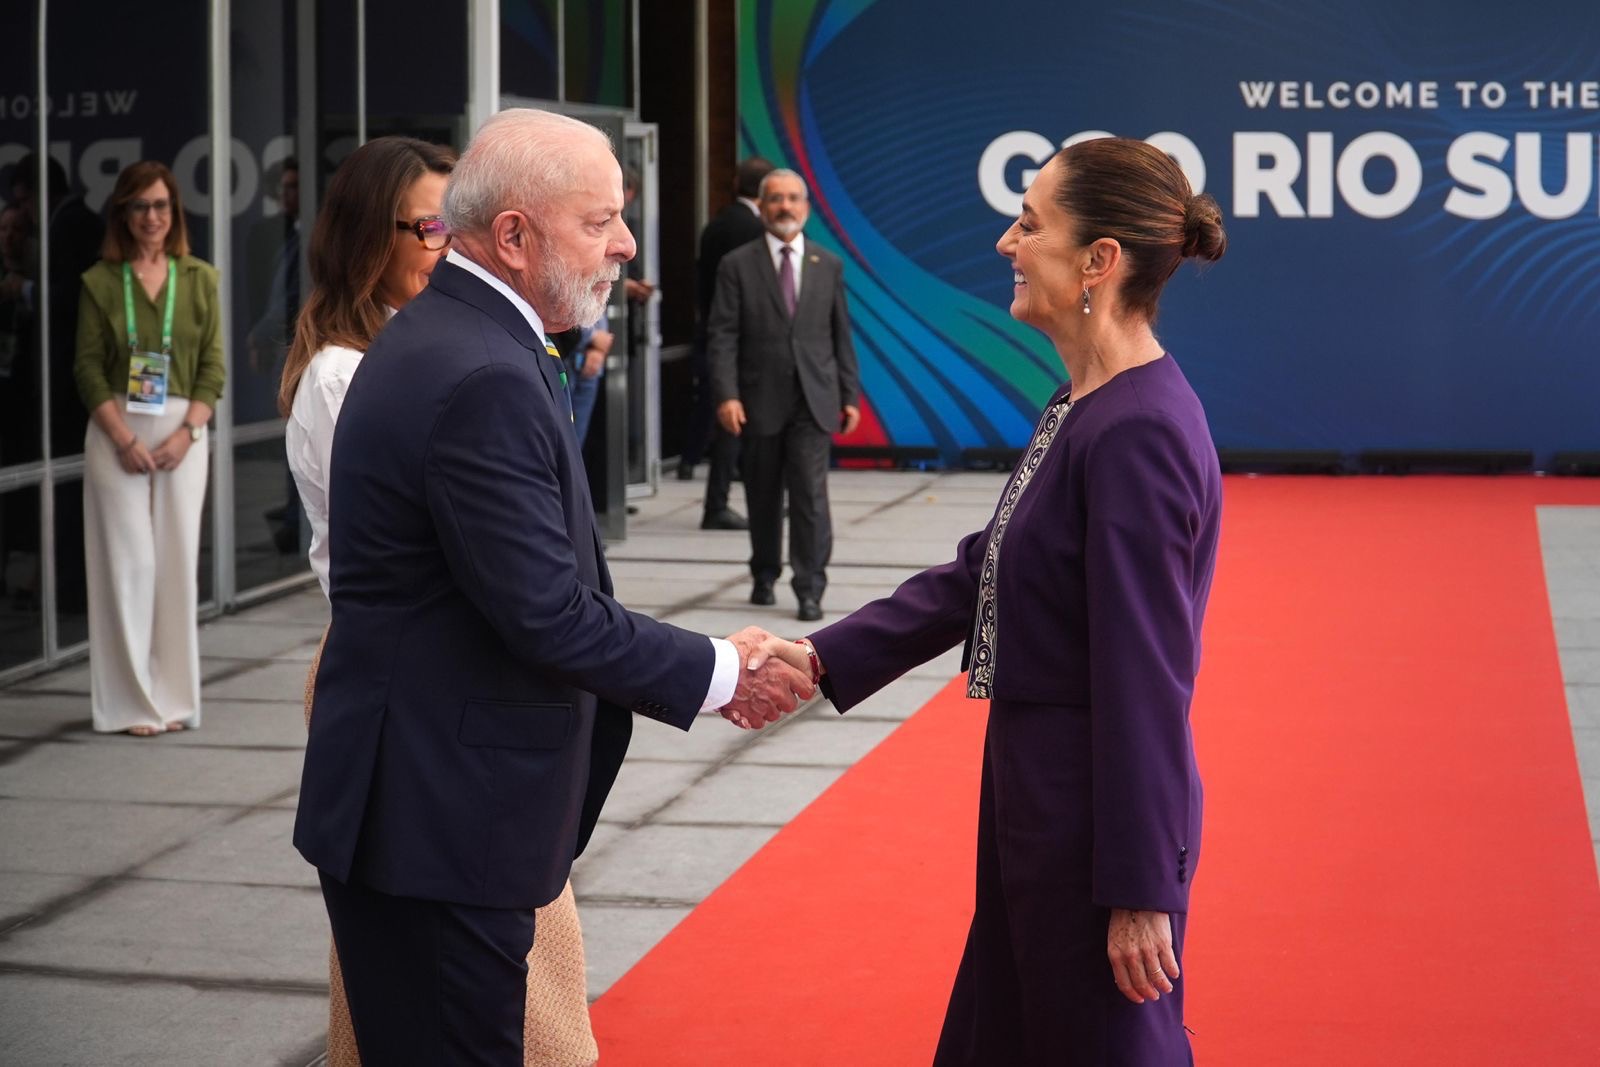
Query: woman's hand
[1139, 944]
[134, 457]
[170, 453]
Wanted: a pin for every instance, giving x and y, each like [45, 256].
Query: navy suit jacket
[470, 703]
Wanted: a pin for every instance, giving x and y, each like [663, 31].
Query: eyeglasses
[142, 207]
[430, 230]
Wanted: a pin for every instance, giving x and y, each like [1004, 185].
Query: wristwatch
[194, 431]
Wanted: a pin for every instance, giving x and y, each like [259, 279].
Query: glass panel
[529, 64]
[270, 538]
[599, 53]
[266, 208]
[112, 107]
[21, 384]
[21, 616]
[417, 69]
[72, 600]
[264, 52]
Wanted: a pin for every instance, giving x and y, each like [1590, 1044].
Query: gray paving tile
[234, 637]
[615, 938]
[64, 1021]
[22, 893]
[216, 931]
[271, 681]
[92, 838]
[308, 606]
[147, 769]
[711, 739]
[1583, 703]
[1577, 633]
[253, 850]
[824, 740]
[643, 786]
[25, 714]
[750, 795]
[903, 697]
[248, 723]
[1580, 666]
[668, 863]
[73, 679]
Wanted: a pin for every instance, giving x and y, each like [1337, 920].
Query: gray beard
[572, 297]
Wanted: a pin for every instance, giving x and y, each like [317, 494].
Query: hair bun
[1203, 235]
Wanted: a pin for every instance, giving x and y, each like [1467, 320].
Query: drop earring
[1086, 300]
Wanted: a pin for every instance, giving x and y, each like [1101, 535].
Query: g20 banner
[1410, 192]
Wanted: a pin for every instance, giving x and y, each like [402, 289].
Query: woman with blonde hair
[149, 368]
[377, 238]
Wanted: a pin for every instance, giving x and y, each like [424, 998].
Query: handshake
[775, 677]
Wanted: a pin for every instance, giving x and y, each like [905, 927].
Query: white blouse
[309, 440]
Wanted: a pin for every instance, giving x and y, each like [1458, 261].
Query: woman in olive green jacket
[149, 369]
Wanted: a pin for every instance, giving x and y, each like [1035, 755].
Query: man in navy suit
[474, 694]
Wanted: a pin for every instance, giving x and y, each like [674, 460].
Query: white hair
[518, 160]
[782, 172]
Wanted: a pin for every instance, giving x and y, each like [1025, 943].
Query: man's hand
[638, 291]
[1139, 945]
[594, 355]
[849, 419]
[730, 413]
[769, 688]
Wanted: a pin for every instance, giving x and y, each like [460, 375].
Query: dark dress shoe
[762, 594]
[685, 473]
[726, 519]
[810, 610]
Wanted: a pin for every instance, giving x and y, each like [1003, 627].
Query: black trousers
[706, 437]
[793, 460]
[430, 982]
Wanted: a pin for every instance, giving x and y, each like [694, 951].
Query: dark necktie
[786, 279]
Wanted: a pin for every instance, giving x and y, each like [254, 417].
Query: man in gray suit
[783, 372]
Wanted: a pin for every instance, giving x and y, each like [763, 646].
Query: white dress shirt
[774, 249]
[308, 438]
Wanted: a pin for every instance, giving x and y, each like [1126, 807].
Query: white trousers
[142, 547]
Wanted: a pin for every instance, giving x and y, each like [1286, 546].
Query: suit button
[1183, 875]
[1184, 851]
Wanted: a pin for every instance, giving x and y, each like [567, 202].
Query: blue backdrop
[1409, 189]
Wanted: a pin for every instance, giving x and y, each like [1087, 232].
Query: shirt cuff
[724, 676]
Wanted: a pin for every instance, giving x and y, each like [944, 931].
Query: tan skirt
[555, 1022]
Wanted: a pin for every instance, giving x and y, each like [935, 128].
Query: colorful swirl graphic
[939, 366]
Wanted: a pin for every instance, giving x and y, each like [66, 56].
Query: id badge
[147, 383]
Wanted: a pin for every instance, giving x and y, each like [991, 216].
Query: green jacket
[101, 367]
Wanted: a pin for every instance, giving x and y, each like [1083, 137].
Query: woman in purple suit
[1080, 604]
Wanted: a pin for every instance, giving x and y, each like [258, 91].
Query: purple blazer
[1100, 589]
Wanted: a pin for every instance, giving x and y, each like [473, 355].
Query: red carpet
[1397, 864]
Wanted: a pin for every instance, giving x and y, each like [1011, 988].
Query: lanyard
[166, 320]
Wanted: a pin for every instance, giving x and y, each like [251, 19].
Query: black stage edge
[1461, 461]
[899, 455]
[1584, 463]
[1280, 461]
[990, 459]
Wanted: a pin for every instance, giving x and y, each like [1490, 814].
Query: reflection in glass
[599, 52]
[72, 598]
[262, 552]
[529, 62]
[21, 613]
